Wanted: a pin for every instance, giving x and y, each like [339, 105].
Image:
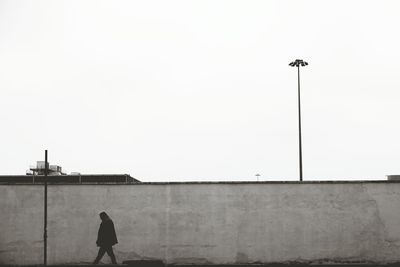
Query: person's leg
[99, 255]
[110, 253]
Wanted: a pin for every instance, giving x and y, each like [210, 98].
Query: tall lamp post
[299, 63]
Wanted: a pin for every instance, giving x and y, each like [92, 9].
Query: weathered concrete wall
[205, 223]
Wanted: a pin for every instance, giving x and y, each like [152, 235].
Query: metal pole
[45, 209]
[300, 152]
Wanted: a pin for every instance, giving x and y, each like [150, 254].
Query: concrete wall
[205, 223]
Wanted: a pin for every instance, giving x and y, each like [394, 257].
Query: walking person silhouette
[106, 238]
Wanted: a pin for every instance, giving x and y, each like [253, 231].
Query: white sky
[201, 90]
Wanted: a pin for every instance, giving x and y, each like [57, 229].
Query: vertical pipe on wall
[45, 210]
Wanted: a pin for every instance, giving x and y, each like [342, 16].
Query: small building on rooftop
[69, 179]
[55, 175]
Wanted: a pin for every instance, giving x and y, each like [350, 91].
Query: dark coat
[106, 236]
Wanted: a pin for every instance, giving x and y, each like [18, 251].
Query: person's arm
[99, 235]
[111, 235]
[114, 233]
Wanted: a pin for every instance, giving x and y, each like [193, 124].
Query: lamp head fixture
[298, 63]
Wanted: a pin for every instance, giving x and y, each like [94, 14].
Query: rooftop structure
[69, 179]
[40, 167]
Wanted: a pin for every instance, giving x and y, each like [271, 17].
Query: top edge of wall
[220, 182]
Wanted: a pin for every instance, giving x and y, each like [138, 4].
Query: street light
[297, 63]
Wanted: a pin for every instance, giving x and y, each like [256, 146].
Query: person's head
[103, 216]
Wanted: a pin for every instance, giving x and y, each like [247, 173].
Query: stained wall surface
[205, 222]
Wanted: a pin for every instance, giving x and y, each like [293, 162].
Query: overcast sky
[201, 90]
